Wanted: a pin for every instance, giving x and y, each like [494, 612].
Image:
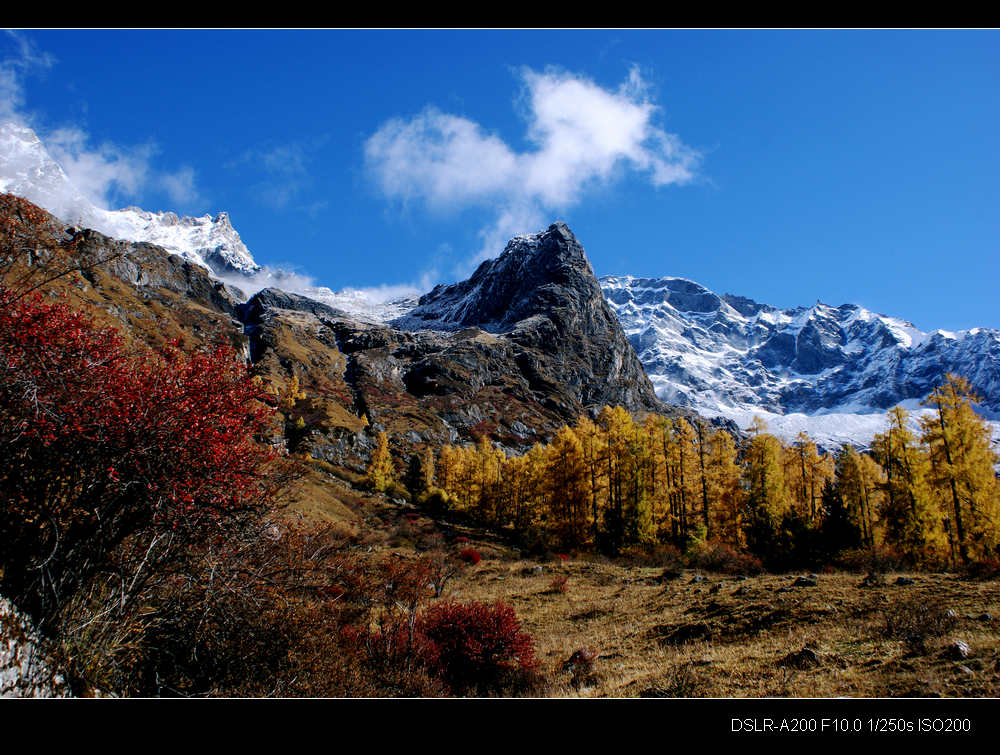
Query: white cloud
[107, 174]
[110, 175]
[104, 173]
[367, 301]
[25, 59]
[180, 186]
[441, 158]
[285, 168]
[583, 136]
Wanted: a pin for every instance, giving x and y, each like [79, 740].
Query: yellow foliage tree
[909, 513]
[381, 470]
[962, 463]
[726, 522]
[860, 481]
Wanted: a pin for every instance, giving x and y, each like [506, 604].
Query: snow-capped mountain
[28, 170]
[832, 371]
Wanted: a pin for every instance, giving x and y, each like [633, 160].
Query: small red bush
[559, 584]
[582, 658]
[477, 647]
[719, 557]
[470, 556]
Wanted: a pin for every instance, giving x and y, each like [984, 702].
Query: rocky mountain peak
[541, 295]
[552, 248]
[535, 275]
[832, 371]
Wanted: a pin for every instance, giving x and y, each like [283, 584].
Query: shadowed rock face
[541, 295]
[534, 275]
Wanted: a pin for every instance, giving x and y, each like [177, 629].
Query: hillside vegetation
[186, 511]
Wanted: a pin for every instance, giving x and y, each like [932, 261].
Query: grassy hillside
[657, 632]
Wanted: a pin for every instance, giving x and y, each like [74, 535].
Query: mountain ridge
[28, 170]
[829, 370]
[703, 352]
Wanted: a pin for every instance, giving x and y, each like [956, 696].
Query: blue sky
[788, 166]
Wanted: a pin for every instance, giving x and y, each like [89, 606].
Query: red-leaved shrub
[102, 441]
[470, 556]
[478, 648]
[719, 557]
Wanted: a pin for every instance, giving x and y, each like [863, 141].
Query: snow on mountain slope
[831, 371]
[28, 170]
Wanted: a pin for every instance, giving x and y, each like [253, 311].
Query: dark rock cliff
[542, 297]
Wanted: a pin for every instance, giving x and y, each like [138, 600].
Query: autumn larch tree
[768, 500]
[909, 513]
[725, 490]
[962, 463]
[381, 470]
[859, 483]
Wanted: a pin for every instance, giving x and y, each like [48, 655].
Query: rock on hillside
[26, 668]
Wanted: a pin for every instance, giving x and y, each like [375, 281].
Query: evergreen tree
[839, 530]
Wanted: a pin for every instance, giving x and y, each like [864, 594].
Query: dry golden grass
[711, 635]
[724, 637]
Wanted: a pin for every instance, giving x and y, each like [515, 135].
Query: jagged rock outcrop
[151, 294]
[541, 294]
[422, 386]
